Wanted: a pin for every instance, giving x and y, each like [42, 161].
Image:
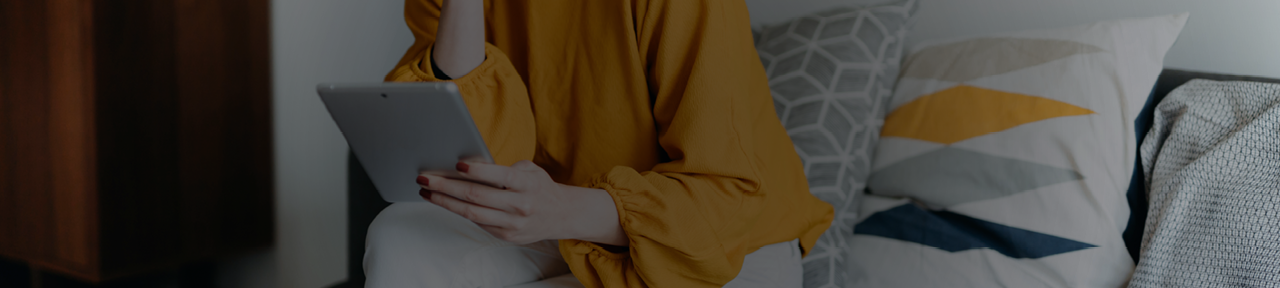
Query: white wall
[316, 41]
[1225, 36]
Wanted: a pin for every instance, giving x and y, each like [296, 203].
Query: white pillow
[1005, 159]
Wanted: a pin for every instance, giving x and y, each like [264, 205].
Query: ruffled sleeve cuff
[698, 262]
[593, 263]
[619, 197]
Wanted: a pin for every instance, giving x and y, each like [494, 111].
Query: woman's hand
[529, 208]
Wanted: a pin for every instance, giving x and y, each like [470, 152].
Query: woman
[640, 134]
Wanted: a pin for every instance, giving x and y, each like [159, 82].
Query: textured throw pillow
[831, 74]
[1004, 160]
[1213, 165]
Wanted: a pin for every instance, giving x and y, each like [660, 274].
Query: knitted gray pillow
[831, 74]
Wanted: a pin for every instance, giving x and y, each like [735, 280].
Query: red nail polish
[463, 167]
[422, 180]
[424, 193]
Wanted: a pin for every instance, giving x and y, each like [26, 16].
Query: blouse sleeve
[691, 221]
[494, 92]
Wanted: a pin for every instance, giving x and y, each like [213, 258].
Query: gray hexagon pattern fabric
[831, 74]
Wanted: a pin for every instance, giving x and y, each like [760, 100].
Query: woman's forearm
[459, 46]
[597, 219]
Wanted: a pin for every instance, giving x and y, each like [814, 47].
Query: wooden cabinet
[135, 135]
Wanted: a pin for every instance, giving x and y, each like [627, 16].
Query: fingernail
[424, 193]
[463, 167]
[422, 180]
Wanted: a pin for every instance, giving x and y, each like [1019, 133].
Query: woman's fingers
[476, 213]
[489, 173]
[527, 165]
[508, 177]
[479, 194]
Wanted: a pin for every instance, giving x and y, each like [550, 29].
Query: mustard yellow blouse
[662, 103]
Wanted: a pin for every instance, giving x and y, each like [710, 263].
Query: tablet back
[399, 129]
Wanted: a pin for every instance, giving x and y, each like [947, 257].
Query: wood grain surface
[135, 136]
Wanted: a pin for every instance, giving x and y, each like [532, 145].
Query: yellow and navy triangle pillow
[1004, 160]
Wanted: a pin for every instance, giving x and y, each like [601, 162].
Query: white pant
[419, 244]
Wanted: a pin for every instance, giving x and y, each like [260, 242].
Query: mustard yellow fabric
[964, 112]
[662, 103]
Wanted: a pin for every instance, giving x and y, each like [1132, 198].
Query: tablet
[399, 129]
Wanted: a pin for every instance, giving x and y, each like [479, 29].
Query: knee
[419, 227]
[416, 240]
[396, 222]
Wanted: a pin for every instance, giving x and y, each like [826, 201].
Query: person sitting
[635, 141]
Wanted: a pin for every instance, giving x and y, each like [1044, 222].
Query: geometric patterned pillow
[1005, 159]
[831, 74]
